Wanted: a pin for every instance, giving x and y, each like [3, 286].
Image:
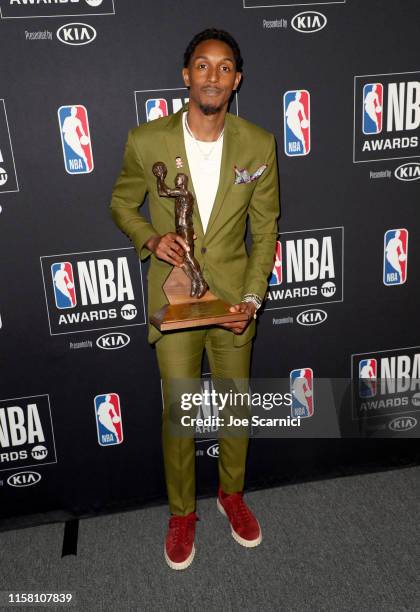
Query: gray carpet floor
[343, 544]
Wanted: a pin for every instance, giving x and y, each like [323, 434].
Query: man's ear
[238, 79]
[186, 76]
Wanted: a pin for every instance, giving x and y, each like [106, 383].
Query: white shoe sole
[236, 536]
[183, 564]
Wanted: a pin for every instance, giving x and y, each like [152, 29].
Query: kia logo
[23, 479]
[213, 451]
[315, 316]
[309, 22]
[112, 341]
[402, 423]
[408, 172]
[76, 34]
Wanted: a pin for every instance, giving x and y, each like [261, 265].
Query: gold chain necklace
[205, 155]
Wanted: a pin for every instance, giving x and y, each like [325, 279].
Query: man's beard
[208, 109]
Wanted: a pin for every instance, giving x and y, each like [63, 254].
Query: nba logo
[277, 273]
[156, 108]
[301, 388]
[395, 257]
[373, 94]
[108, 419]
[63, 284]
[297, 122]
[368, 369]
[75, 139]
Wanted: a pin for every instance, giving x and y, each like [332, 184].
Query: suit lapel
[231, 147]
[174, 137]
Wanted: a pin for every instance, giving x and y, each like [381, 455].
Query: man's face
[211, 76]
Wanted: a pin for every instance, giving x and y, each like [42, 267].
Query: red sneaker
[179, 544]
[245, 527]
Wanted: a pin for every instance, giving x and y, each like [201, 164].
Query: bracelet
[255, 299]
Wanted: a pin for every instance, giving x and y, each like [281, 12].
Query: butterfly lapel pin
[242, 175]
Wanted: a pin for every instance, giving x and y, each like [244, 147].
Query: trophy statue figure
[184, 204]
[191, 304]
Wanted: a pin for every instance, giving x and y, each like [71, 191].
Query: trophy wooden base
[184, 311]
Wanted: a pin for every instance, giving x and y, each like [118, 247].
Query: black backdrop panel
[338, 83]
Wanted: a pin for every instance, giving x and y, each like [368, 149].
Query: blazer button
[203, 250]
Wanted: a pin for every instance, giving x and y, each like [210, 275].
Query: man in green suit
[232, 169]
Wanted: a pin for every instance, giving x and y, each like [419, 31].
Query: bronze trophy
[191, 304]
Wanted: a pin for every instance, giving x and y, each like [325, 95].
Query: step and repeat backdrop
[338, 84]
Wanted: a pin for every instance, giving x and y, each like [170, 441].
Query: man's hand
[240, 326]
[170, 248]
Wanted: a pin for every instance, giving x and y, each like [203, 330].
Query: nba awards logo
[63, 283]
[276, 277]
[385, 382]
[93, 290]
[372, 108]
[75, 139]
[153, 104]
[386, 117]
[8, 178]
[156, 103]
[26, 432]
[297, 126]
[13, 9]
[301, 389]
[108, 419]
[307, 269]
[368, 377]
[156, 108]
[395, 257]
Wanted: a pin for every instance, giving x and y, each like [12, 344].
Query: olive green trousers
[179, 356]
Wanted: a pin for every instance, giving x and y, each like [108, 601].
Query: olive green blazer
[221, 252]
